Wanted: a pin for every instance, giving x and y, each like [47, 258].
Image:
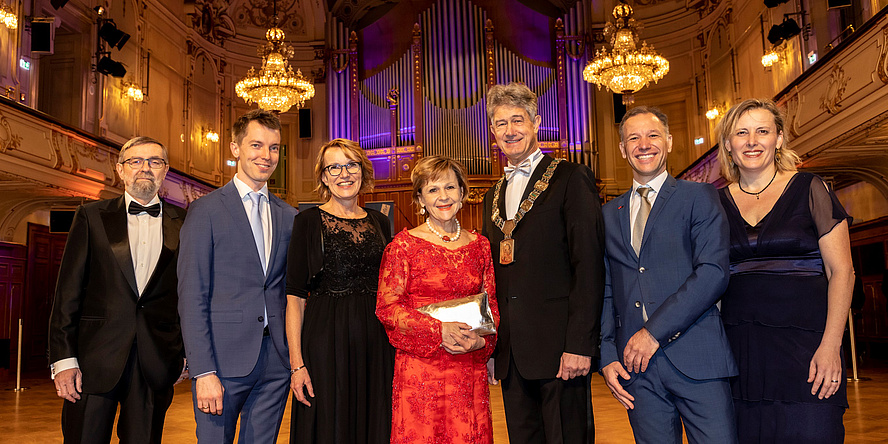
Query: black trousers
[142, 411]
[548, 411]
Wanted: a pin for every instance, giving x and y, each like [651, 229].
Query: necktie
[136, 208]
[256, 225]
[641, 219]
[523, 168]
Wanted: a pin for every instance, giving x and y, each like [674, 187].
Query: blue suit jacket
[222, 286]
[679, 274]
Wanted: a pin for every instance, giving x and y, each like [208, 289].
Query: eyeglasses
[136, 163]
[336, 169]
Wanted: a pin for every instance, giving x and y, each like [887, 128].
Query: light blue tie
[256, 225]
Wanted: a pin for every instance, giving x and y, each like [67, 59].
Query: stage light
[784, 31]
[115, 37]
[110, 67]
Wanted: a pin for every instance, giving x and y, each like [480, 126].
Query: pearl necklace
[760, 191]
[443, 237]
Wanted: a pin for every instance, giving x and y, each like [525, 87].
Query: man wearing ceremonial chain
[543, 220]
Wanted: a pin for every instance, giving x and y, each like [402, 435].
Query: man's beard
[143, 189]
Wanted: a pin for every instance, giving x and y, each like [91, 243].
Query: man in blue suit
[232, 268]
[664, 354]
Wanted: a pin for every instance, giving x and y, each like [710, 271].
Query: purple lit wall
[448, 96]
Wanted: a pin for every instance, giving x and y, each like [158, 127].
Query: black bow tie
[152, 210]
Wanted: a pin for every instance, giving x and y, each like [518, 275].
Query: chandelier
[275, 87]
[626, 68]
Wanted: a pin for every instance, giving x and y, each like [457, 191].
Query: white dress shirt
[518, 183]
[655, 185]
[243, 190]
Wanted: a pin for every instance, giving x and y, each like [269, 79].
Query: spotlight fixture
[784, 31]
[110, 67]
[115, 37]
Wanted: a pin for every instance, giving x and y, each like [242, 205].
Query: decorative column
[496, 156]
[416, 50]
[354, 116]
[561, 86]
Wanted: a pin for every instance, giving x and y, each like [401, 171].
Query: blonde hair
[433, 167]
[354, 152]
[784, 158]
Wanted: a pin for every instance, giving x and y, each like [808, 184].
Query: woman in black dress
[790, 288]
[340, 357]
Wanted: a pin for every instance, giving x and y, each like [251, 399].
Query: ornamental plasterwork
[792, 114]
[259, 13]
[8, 139]
[211, 20]
[476, 195]
[830, 99]
[701, 172]
[882, 66]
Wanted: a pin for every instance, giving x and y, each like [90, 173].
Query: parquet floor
[33, 416]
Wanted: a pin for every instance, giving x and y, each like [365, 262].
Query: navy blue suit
[223, 297]
[679, 274]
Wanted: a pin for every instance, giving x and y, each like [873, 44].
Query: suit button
[641, 270]
[637, 304]
[261, 319]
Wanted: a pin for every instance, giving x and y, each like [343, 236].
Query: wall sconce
[716, 111]
[7, 16]
[770, 58]
[211, 136]
[133, 91]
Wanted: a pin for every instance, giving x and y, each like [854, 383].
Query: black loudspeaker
[304, 123]
[619, 108]
[60, 221]
[42, 37]
[830, 4]
[774, 3]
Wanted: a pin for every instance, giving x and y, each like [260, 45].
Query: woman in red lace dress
[440, 391]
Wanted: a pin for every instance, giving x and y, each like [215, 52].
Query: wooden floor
[32, 416]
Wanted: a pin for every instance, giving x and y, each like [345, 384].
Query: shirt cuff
[62, 365]
[204, 374]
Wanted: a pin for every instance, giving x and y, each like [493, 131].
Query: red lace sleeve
[408, 330]
[490, 287]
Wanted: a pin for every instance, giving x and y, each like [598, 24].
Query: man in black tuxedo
[114, 333]
[543, 220]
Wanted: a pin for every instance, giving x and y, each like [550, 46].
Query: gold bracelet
[297, 369]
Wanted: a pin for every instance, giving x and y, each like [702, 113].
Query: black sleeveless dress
[775, 311]
[345, 348]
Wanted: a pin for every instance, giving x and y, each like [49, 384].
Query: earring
[777, 156]
[422, 210]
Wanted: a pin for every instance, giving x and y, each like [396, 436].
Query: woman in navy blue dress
[790, 288]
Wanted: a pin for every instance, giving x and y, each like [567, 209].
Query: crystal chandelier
[275, 87]
[626, 68]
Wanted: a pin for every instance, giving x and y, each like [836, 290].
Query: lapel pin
[620, 207]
